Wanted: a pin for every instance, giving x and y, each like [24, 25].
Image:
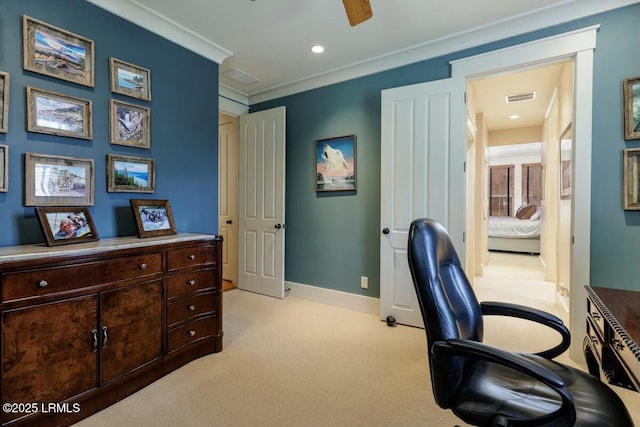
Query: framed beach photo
[57, 180]
[130, 174]
[130, 80]
[336, 164]
[129, 124]
[153, 217]
[55, 52]
[4, 168]
[57, 114]
[4, 101]
[631, 89]
[66, 225]
[631, 164]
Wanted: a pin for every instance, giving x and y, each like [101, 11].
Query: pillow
[535, 216]
[526, 212]
[517, 215]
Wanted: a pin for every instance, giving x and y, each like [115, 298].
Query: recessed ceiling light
[513, 117]
[317, 49]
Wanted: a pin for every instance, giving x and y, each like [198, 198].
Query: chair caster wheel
[391, 321]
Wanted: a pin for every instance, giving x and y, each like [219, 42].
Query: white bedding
[513, 228]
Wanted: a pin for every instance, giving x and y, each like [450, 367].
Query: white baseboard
[340, 299]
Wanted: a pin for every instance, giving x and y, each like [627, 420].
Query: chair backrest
[449, 306]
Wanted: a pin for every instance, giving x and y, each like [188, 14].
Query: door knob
[385, 230]
[229, 221]
[278, 226]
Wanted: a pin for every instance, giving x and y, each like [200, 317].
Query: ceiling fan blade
[357, 11]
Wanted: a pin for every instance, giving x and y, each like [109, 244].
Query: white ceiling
[271, 39]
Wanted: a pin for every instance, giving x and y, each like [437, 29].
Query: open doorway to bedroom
[523, 176]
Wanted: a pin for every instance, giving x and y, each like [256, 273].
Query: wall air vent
[525, 96]
[239, 76]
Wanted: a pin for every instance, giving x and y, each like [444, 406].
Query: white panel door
[228, 195]
[261, 202]
[423, 150]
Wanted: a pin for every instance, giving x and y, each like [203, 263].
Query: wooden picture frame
[58, 53]
[130, 174]
[336, 164]
[4, 102]
[130, 80]
[129, 124]
[631, 165]
[66, 225]
[4, 168]
[153, 217]
[631, 88]
[58, 114]
[58, 180]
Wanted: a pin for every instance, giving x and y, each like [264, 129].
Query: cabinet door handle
[192, 333]
[191, 307]
[105, 337]
[191, 282]
[43, 284]
[596, 316]
[94, 345]
[143, 266]
[192, 257]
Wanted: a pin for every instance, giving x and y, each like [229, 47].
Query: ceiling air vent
[240, 76]
[525, 96]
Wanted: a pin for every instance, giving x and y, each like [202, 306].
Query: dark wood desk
[613, 332]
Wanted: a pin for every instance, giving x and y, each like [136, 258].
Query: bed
[508, 233]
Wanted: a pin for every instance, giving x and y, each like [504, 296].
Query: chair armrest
[492, 308]
[479, 351]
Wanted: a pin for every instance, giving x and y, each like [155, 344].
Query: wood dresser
[88, 324]
[613, 333]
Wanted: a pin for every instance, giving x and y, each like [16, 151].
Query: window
[531, 183]
[501, 184]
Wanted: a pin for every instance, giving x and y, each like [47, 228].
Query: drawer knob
[192, 333]
[191, 282]
[618, 344]
[143, 266]
[192, 257]
[191, 307]
[43, 284]
[596, 316]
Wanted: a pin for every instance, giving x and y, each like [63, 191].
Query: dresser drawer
[596, 316]
[182, 284]
[38, 282]
[595, 340]
[629, 360]
[186, 308]
[194, 256]
[191, 332]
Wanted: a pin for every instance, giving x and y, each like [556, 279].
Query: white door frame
[578, 45]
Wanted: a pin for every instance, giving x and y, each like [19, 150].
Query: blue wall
[332, 241]
[184, 120]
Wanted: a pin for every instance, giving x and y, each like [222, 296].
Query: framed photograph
[57, 114]
[336, 164]
[631, 89]
[4, 168]
[153, 217]
[129, 124]
[55, 52]
[130, 174]
[566, 149]
[4, 101]
[62, 226]
[130, 80]
[57, 180]
[632, 179]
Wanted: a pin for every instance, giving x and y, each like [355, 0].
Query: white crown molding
[140, 15]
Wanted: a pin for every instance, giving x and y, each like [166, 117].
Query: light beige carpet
[294, 362]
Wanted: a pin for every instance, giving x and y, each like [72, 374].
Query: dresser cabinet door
[48, 351]
[130, 328]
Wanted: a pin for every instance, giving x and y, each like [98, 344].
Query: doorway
[228, 197]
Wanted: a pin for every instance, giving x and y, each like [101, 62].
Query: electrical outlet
[364, 282]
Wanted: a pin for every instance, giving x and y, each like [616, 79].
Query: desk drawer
[182, 284]
[630, 361]
[191, 332]
[34, 283]
[186, 308]
[194, 256]
[596, 316]
[595, 339]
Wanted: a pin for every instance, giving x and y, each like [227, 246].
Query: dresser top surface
[36, 251]
[624, 306]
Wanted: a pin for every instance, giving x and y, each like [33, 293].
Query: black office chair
[484, 385]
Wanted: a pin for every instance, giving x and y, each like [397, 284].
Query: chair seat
[492, 389]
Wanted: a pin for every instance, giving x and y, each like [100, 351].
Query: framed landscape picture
[57, 180]
[4, 168]
[631, 89]
[55, 52]
[631, 164]
[65, 225]
[57, 114]
[129, 124]
[4, 101]
[130, 174]
[128, 79]
[336, 164]
[153, 217]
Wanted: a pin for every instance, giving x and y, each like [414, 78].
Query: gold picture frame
[4, 102]
[129, 124]
[130, 80]
[631, 165]
[58, 114]
[66, 225]
[631, 88]
[58, 53]
[153, 217]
